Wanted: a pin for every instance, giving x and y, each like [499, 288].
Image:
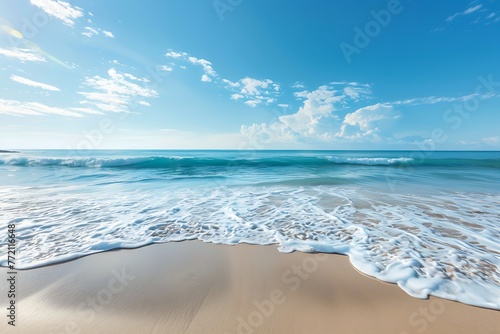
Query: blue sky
[244, 74]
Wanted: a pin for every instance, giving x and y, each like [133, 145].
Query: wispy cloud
[89, 32]
[492, 141]
[165, 68]
[117, 92]
[60, 10]
[32, 83]
[435, 99]
[468, 11]
[298, 85]
[176, 55]
[481, 15]
[230, 83]
[108, 34]
[18, 108]
[22, 54]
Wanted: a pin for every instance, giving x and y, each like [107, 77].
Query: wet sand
[193, 287]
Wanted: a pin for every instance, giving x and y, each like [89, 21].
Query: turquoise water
[428, 221]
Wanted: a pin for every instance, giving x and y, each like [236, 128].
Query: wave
[370, 161]
[194, 162]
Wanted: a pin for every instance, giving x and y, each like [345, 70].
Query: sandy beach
[193, 287]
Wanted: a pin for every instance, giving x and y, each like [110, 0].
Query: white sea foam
[444, 245]
[369, 161]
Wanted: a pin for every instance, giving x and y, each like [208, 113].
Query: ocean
[428, 221]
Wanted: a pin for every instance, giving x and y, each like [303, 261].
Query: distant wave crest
[186, 162]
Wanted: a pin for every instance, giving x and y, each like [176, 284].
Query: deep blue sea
[428, 221]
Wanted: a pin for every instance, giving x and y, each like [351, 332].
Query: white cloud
[253, 86]
[176, 55]
[230, 83]
[468, 11]
[144, 103]
[92, 30]
[132, 77]
[366, 117]
[284, 106]
[318, 119]
[12, 107]
[32, 83]
[106, 97]
[313, 118]
[117, 92]
[108, 34]
[236, 96]
[472, 9]
[317, 104]
[357, 91]
[207, 68]
[60, 10]
[301, 94]
[165, 68]
[209, 72]
[22, 54]
[298, 85]
[254, 91]
[253, 103]
[260, 135]
[492, 141]
[441, 99]
[89, 32]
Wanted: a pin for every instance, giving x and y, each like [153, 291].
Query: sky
[241, 74]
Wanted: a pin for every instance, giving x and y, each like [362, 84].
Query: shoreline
[196, 287]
